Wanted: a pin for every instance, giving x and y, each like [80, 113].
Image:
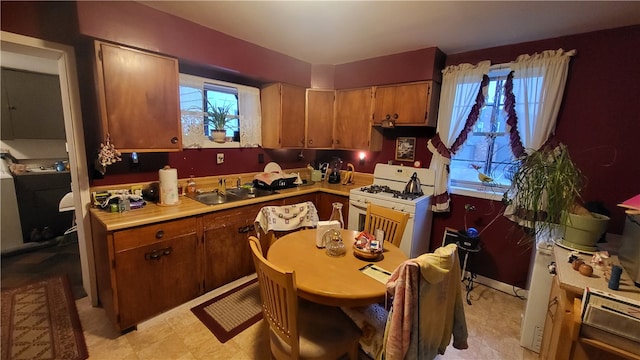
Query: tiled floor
[493, 322]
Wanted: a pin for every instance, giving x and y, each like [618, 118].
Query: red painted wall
[140, 26]
[599, 119]
[423, 64]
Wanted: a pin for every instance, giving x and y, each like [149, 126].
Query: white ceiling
[336, 32]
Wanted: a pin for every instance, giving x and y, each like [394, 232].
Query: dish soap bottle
[191, 185]
[336, 214]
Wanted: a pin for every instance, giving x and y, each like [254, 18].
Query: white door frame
[67, 71]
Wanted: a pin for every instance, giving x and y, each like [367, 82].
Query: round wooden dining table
[334, 281]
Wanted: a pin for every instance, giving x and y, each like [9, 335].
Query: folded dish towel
[288, 217]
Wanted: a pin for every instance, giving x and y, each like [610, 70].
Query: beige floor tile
[170, 347]
[118, 348]
[493, 322]
[149, 333]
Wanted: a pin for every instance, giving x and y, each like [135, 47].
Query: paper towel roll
[168, 186]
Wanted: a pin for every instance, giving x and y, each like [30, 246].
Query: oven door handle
[358, 205]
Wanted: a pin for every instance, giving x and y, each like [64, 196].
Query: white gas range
[387, 189]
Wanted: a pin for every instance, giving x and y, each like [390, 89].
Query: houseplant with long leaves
[218, 117]
[546, 190]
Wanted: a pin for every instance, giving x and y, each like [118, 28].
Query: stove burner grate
[374, 189]
[397, 194]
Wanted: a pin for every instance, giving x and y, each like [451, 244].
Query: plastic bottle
[191, 185]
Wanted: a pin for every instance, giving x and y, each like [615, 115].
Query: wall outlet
[219, 159]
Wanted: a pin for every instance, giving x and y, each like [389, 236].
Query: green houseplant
[546, 197]
[218, 118]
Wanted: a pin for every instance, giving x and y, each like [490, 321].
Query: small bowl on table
[367, 254]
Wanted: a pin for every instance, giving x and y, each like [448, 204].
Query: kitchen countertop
[571, 280]
[152, 212]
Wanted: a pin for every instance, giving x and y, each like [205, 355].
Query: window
[222, 97]
[198, 95]
[487, 150]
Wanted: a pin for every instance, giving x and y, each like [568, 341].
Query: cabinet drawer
[145, 235]
[245, 214]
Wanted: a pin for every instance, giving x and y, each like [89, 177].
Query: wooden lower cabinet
[561, 338]
[227, 256]
[146, 270]
[226, 249]
[324, 203]
[300, 199]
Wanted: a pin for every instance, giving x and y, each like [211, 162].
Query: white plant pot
[583, 231]
[219, 136]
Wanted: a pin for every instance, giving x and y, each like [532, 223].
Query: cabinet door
[353, 127]
[402, 104]
[226, 246]
[325, 207]
[292, 116]
[138, 93]
[320, 118]
[156, 277]
[283, 108]
[31, 106]
[300, 199]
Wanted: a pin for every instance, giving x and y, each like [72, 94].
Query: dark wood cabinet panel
[146, 270]
[300, 199]
[138, 92]
[325, 202]
[227, 256]
[156, 277]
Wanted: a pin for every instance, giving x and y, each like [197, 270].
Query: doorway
[63, 57]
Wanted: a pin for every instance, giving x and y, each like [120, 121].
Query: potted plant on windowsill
[218, 118]
[546, 190]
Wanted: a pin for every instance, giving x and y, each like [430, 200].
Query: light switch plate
[219, 159]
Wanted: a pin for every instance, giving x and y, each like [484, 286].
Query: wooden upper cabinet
[413, 104]
[319, 118]
[353, 120]
[138, 93]
[283, 108]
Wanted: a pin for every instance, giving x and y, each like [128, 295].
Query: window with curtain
[473, 151]
[483, 163]
[197, 95]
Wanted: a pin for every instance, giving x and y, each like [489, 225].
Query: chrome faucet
[222, 186]
[238, 182]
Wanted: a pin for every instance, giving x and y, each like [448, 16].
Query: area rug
[229, 314]
[40, 321]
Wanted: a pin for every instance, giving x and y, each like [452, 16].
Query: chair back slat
[279, 297]
[392, 222]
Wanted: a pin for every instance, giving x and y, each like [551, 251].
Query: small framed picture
[405, 148]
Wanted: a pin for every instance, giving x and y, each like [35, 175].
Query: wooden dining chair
[300, 329]
[273, 222]
[390, 221]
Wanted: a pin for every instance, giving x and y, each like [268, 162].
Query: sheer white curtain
[538, 87]
[250, 116]
[460, 86]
